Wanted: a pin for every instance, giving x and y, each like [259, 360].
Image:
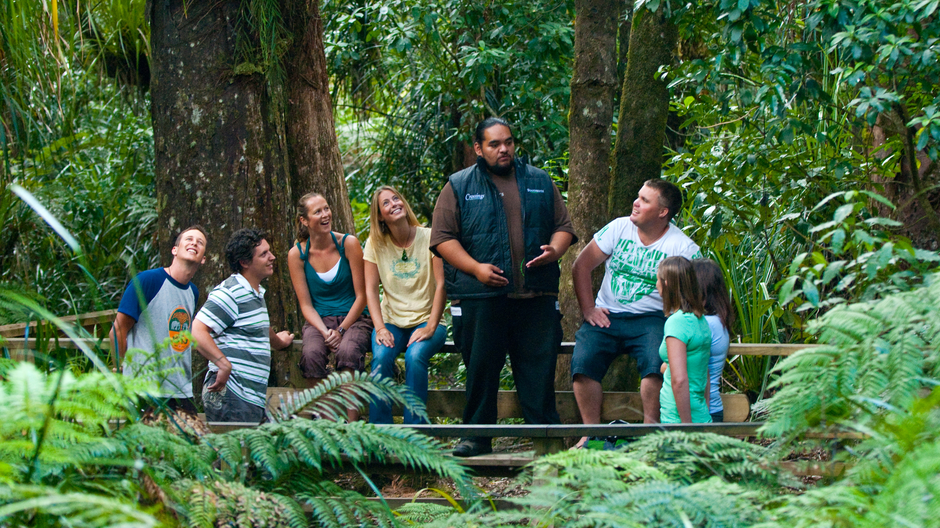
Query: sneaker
[469, 448]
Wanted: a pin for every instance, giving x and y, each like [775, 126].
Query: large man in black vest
[501, 226]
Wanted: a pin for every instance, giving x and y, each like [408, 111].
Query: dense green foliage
[61, 464]
[412, 79]
[82, 143]
[806, 137]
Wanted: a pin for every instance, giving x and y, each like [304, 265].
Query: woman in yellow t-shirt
[408, 319]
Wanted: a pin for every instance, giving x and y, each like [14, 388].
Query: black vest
[484, 231]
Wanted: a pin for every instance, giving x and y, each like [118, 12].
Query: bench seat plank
[449, 403]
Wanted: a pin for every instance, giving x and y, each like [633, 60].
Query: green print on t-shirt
[633, 271]
[405, 269]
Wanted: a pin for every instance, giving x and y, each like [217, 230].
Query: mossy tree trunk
[644, 107]
[222, 143]
[623, 44]
[593, 86]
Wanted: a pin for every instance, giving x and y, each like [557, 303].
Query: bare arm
[437, 306]
[206, 346]
[457, 256]
[382, 335]
[552, 251]
[297, 278]
[676, 350]
[590, 258]
[354, 255]
[118, 335]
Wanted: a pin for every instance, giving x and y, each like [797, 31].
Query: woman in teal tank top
[686, 345]
[326, 271]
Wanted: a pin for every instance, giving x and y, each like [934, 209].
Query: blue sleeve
[195, 296]
[149, 282]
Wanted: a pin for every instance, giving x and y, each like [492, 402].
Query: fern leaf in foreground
[42, 506]
[348, 390]
[884, 350]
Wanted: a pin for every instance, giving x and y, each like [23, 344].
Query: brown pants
[351, 353]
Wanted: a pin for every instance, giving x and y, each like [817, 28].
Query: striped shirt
[237, 317]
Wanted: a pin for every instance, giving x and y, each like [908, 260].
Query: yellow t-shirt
[409, 284]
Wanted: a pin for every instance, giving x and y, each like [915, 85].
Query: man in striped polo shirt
[234, 333]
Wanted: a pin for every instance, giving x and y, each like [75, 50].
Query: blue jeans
[417, 357]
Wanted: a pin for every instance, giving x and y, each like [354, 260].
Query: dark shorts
[351, 353]
[638, 335]
[234, 409]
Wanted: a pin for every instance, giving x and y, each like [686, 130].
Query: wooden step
[627, 406]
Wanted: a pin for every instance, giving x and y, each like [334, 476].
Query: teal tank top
[337, 296]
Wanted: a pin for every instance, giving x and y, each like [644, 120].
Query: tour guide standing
[169, 302]
[501, 226]
[232, 330]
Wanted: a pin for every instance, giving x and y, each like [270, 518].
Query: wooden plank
[579, 430]
[91, 319]
[735, 349]
[627, 406]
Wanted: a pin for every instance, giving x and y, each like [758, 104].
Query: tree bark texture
[623, 42]
[593, 86]
[222, 147]
[315, 162]
[644, 107]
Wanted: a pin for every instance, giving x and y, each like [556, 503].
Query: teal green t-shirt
[697, 336]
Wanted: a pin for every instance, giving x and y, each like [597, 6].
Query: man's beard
[495, 169]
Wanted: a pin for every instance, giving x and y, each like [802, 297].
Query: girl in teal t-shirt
[686, 345]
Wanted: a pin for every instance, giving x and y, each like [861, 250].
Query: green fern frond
[692, 457]
[222, 503]
[42, 506]
[883, 350]
[348, 390]
[423, 512]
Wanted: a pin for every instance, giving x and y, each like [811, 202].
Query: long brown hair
[303, 233]
[378, 231]
[711, 282]
[680, 287]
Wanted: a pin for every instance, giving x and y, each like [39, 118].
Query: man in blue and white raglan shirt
[234, 333]
[627, 315]
[159, 304]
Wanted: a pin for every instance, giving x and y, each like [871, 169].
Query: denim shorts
[638, 335]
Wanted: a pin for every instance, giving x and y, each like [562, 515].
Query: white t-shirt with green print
[629, 284]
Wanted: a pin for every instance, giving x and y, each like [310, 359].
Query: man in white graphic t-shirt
[627, 315]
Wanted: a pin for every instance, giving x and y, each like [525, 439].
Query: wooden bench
[449, 403]
[98, 323]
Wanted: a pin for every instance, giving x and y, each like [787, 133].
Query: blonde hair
[680, 287]
[376, 225]
[303, 233]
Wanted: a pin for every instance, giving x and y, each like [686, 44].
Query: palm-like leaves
[345, 390]
[883, 350]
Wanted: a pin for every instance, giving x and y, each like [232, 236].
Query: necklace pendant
[404, 256]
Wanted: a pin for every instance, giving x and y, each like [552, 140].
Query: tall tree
[223, 135]
[644, 107]
[593, 86]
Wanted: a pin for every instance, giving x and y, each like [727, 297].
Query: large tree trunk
[623, 44]
[221, 151]
[315, 159]
[644, 107]
[593, 86]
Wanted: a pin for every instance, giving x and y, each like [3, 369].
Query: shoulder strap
[304, 254]
[339, 247]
